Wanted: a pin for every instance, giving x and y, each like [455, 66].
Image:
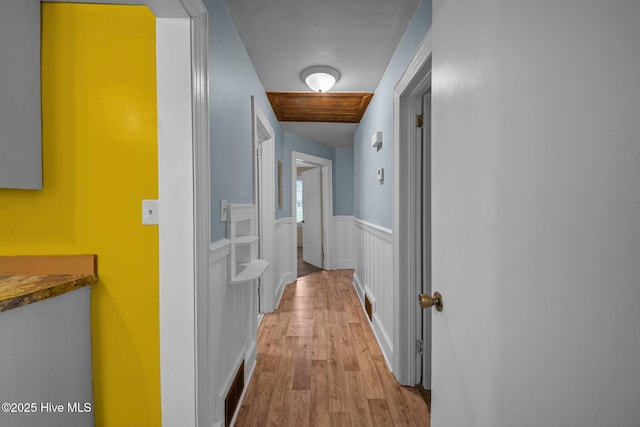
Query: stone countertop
[27, 279]
[16, 291]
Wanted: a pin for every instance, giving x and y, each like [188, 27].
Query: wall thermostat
[380, 174]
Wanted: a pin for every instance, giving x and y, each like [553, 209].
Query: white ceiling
[358, 37]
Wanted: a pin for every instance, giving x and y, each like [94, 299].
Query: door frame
[264, 192]
[415, 80]
[326, 172]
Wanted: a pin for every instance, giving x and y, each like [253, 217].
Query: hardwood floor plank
[380, 413]
[319, 364]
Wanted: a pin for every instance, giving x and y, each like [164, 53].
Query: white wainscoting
[344, 242]
[227, 334]
[374, 277]
[285, 256]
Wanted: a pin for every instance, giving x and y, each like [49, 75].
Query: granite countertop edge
[26, 290]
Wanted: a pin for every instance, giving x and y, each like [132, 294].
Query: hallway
[319, 364]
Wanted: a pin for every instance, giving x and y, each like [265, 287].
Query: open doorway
[308, 218]
[312, 207]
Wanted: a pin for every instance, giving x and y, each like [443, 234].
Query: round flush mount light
[320, 78]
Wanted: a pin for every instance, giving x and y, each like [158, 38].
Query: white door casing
[312, 217]
[407, 196]
[326, 167]
[264, 197]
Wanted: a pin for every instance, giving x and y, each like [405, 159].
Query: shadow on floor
[305, 268]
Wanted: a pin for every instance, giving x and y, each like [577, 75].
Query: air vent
[233, 396]
[368, 307]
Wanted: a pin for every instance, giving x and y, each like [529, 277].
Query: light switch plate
[150, 214]
[223, 210]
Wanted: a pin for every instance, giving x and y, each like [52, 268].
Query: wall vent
[233, 396]
[368, 307]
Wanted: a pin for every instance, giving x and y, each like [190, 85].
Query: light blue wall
[232, 82]
[291, 143]
[343, 181]
[374, 200]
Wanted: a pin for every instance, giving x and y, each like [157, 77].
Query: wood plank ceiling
[319, 107]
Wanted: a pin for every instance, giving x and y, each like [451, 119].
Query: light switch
[380, 174]
[150, 212]
[223, 210]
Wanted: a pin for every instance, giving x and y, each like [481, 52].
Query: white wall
[344, 242]
[536, 213]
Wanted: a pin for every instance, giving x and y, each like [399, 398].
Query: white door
[536, 213]
[312, 217]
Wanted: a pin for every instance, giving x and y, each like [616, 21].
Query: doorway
[412, 219]
[316, 175]
[308, 218]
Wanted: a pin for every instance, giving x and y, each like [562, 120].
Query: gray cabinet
[20, 111]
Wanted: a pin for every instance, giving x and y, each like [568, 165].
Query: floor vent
[368, 307]
[233, 397]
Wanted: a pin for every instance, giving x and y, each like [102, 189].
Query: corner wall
[99, 162]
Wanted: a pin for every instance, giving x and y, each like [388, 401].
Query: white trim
[218, 250]
[177, 222]
[288, 275]
[404, 212]
[264, 199]
[202, 207]
[378, 231]
[326, 166]
[359, 288]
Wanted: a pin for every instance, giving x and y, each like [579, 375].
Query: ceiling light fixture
[320, 78]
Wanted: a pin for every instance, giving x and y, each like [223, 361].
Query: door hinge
[257, 153]
[419, 120]
[419, 347]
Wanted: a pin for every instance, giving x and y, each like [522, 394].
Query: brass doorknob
[427, 301]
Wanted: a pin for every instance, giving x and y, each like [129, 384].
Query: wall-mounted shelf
[244, 265]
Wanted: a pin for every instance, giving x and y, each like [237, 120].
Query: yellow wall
[100, 160]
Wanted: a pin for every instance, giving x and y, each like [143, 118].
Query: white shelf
[244, 265]
[247, 272]
[246, 240]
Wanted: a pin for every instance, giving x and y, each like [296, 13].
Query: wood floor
[320, 365]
